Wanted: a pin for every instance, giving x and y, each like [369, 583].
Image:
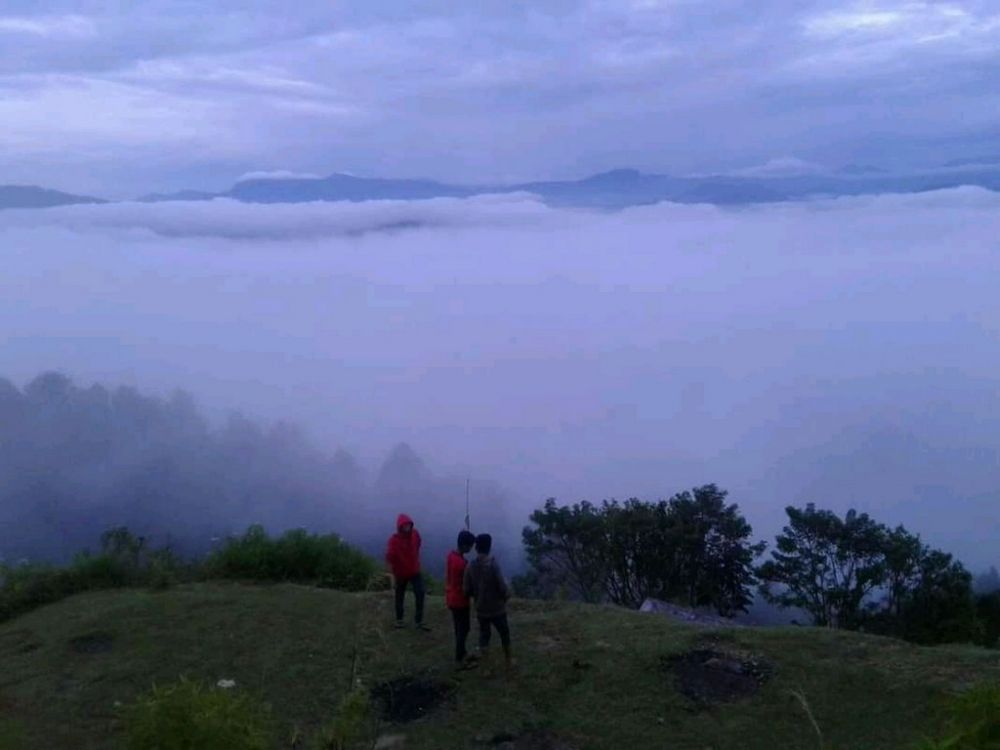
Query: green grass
[301, 650]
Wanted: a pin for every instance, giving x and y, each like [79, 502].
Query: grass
[590, 674]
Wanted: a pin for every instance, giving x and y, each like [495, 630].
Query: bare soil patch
[708, 676]
[410, 697]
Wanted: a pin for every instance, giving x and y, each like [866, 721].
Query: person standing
[455, 598]
[484, 582]
[403, 556]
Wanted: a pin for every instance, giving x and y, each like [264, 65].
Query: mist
[843, 352]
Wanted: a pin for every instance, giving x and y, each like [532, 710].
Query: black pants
[462, 620]
[486, 625]
[418, 594]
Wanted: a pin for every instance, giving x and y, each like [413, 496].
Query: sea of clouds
[843, 351]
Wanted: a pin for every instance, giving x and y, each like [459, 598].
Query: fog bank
[843, 352]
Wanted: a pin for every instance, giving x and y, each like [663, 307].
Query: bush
[123, 561]
[295, 556]
[187, 715]
[972, 721]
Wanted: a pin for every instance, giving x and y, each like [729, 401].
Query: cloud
[230, 219]
[277, 174]
[59, 27]
[783, 166]
[843, 351]
[507, 91]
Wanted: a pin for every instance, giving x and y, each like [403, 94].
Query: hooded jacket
[403, 551]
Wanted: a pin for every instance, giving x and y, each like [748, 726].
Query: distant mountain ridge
[31, 196]
[614, 189]
[618, 188]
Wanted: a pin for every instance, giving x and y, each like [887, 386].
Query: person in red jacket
[403, 555]
[455, 596]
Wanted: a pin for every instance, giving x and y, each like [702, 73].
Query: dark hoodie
[485, 583]
[403, 550]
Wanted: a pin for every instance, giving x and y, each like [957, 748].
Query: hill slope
[591, 676]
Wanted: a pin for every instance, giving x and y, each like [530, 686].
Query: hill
[30, 196]
[588, 677]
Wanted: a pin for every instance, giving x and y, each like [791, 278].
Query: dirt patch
[535, 740]
[92, 643]
[708, 676]
[410, 698]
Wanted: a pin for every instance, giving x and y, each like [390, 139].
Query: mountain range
[615, 189]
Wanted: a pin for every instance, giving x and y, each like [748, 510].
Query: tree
[940, 607]
[825, 565]
[693, 549]
[855, 573]
[988, 582]
[567, 544]
[713, 557]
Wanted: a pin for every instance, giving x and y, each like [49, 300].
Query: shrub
[298, 556]
[186, 715]
[972, 721]
[123, 561]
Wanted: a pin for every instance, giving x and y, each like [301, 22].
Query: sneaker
[400, 624]
[422, 626]
[465, 666]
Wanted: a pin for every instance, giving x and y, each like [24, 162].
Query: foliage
[124, 560]
[693, 548]
[853, 572]
[186, 715]
[988, 614]
[972, 721]
[77, 459]
[297, 555]
[566, 545]
[350, 723]
[988, 582]
[825, 565]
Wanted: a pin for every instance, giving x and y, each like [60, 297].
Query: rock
[390, 742]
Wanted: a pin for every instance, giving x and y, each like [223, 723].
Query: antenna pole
[468, 521]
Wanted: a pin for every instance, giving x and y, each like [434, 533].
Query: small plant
[972, 721]
[187, 715]
[350, 725]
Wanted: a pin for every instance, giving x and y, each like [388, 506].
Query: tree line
[76, 460]
[697, 549]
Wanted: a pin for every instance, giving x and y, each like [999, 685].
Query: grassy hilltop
[587, 677]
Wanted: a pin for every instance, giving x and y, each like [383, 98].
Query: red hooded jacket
[454, 596]
[403, 550]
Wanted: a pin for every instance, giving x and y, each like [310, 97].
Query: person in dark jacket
[403, 556]
[455, 598]
[485, 583]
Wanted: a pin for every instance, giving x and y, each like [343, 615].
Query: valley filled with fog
[842, 351]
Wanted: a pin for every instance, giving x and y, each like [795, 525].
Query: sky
[121, 99]
[842, 351]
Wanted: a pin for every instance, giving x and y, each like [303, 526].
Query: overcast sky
[118, 99]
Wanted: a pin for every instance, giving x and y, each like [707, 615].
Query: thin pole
[468, 522]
